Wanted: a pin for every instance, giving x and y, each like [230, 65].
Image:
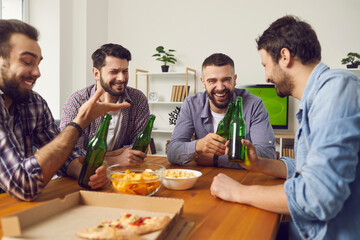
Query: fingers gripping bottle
[237, 131]
[95, 154]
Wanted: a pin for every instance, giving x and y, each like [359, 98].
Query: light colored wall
[195, 29]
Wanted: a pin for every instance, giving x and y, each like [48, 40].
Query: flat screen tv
[277, 107]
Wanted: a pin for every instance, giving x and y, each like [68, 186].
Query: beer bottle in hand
[237, 131]
[95, 153]
[142, 140]
[223, 127]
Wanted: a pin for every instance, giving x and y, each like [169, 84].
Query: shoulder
[134, 93]
[199, 99]
[83, 94]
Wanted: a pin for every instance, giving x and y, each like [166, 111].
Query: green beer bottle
[95, 153]
[223, 127]
[237, 131]
[142, 140]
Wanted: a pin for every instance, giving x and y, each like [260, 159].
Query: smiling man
[26, 120]
[201, 114]
[111, 72]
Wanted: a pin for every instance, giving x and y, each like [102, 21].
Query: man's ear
[285, 57]
[202, 81]
[96, 73]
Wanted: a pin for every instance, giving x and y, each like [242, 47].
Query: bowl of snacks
[180, 179]
[138, 179]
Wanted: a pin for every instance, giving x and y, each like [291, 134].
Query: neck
[301, 74]
[8, 101]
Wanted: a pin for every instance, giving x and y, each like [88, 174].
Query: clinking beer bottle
[96, 152]
[223, 127]
[142, 140]
[237, 131]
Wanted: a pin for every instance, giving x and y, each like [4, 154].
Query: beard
[12, 86]
[109, 90]
[284, 84]
[221, 105]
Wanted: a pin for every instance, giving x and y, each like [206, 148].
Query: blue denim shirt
[323, 185]
[195, 119]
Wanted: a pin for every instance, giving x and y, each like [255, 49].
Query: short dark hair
[218, 59]
[291, 33]
[109, 49]
[11, 26]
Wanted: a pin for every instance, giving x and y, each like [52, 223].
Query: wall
[195, 29]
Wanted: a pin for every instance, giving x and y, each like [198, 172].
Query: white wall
[195, 29]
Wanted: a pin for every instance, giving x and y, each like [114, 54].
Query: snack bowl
[180, 179]
[137, 179]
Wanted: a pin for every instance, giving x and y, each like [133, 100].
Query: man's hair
[291, 33]
[109, 49]
[218, 59]
[11, 26]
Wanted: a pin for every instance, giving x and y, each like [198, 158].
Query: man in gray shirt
[200, 115]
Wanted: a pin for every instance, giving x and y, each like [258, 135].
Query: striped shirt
[133, 120]
[23, 127]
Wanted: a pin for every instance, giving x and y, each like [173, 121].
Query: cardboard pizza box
[62, 218]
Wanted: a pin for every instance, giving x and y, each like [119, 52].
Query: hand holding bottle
[211, 143]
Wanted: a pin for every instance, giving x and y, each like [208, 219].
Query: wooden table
[213, 217]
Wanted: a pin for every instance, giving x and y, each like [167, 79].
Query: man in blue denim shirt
[322, 187]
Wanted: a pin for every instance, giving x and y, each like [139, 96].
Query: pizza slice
[124, 227]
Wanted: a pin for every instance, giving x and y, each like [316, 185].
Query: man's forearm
[115, 152]
[272, 167]
[53, 155]
[270, 198]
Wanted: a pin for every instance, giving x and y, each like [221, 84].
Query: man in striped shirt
[26, 120]
[111, 73]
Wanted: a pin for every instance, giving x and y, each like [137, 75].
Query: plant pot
[164, 68]
[352, 65]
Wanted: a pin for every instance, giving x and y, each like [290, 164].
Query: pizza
[124, 227]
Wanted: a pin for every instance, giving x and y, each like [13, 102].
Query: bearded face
[12, 84]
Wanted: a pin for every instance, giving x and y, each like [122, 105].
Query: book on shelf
[178, 93]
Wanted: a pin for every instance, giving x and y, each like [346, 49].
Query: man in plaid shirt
[26, 120]
[111, 72]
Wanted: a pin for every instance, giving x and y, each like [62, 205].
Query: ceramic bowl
[181, 183]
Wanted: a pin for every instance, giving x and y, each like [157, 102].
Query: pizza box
[62, 218]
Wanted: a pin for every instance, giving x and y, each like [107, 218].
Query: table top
[213, 217]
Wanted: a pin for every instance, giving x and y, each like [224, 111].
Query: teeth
[30, 83]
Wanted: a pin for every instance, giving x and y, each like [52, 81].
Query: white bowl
[181, 183]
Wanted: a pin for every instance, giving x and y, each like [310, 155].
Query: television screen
[277, 107]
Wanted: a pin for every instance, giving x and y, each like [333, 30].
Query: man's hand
[211, 143]
[126, 157]
[99, 179]
[251, 153]
[226, 188]
[93, 108]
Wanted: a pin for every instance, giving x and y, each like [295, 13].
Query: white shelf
[163, 102]
[163, 130]
[163, 73]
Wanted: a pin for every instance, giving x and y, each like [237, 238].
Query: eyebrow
[31, 54]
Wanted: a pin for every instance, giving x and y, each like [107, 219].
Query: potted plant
[165, 57]
[352, 60]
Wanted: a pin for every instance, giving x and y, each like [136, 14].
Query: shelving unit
[162, 83]
[290, 145]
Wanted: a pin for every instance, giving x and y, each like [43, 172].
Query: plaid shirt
[133, 120]
[33, 126]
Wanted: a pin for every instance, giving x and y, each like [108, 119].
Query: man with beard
[26, 120]
[111, 72]
[201, 114]
[322, 190]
